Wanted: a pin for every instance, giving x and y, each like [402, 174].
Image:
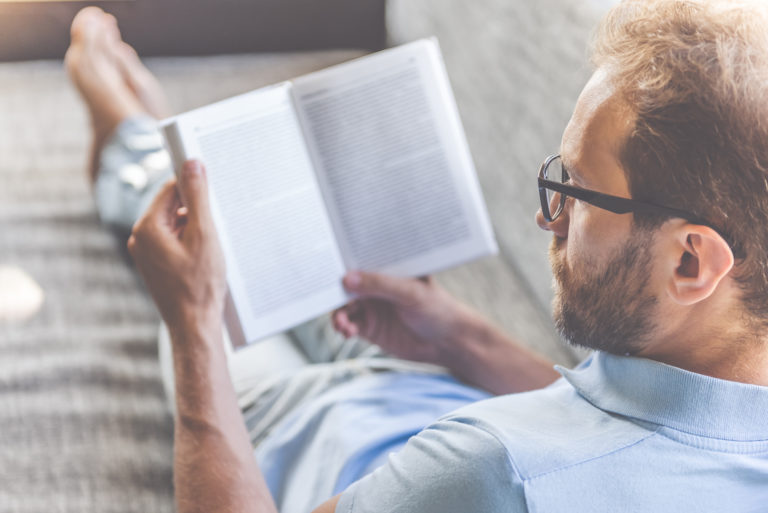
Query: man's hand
[414, 319]
[418, 320]
[177, 252]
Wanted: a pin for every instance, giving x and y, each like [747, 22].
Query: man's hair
[695, 73]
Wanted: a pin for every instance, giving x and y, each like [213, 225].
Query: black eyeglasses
[553, 192]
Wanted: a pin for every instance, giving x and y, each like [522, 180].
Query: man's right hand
[413, 319]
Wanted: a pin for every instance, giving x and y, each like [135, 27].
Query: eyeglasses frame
[609, 202]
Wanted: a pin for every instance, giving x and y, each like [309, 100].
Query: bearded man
[658, 204]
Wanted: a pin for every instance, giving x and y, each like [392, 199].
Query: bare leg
[109, 76]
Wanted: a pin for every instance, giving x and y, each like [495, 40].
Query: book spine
[174, 145]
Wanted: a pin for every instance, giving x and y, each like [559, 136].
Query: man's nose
[558, 227]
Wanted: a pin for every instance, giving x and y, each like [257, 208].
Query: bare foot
[143, 83]
[114, 87]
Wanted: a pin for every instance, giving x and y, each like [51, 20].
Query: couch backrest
[40, 30]
[516, 67]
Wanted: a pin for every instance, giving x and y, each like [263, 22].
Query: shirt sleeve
[452, 466]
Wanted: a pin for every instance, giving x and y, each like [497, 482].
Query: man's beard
[606, 307]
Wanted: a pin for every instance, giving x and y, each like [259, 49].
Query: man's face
[602, 265]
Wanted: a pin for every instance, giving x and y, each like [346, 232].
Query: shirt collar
[661, 394]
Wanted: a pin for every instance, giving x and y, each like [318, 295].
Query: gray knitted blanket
[83, 419]
[84, 424]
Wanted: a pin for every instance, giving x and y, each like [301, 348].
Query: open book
[360, 166]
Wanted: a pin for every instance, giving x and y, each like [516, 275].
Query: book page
[393, 162]
[283, 263]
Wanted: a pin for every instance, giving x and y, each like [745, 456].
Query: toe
[85, 20]
[110, 23]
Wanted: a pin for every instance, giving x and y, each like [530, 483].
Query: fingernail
[192, 166]
[353, 279]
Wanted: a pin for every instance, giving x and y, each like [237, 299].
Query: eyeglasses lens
[555, 173]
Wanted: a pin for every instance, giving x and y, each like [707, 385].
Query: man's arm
[484, 356]
[214, 466]
[418, 320]
[176, 250]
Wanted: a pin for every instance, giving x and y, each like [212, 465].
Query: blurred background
[84, 425]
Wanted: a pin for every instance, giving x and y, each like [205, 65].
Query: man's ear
[703, 259]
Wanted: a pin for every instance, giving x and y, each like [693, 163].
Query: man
[658, 207]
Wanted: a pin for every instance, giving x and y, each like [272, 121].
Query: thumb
[403, 291]
[193, 189]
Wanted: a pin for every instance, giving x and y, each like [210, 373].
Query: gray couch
[83, 421]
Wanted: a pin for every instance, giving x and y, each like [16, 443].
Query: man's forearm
[214, 467]
[482, 355]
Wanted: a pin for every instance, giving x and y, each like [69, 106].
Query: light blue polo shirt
[617, 434]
